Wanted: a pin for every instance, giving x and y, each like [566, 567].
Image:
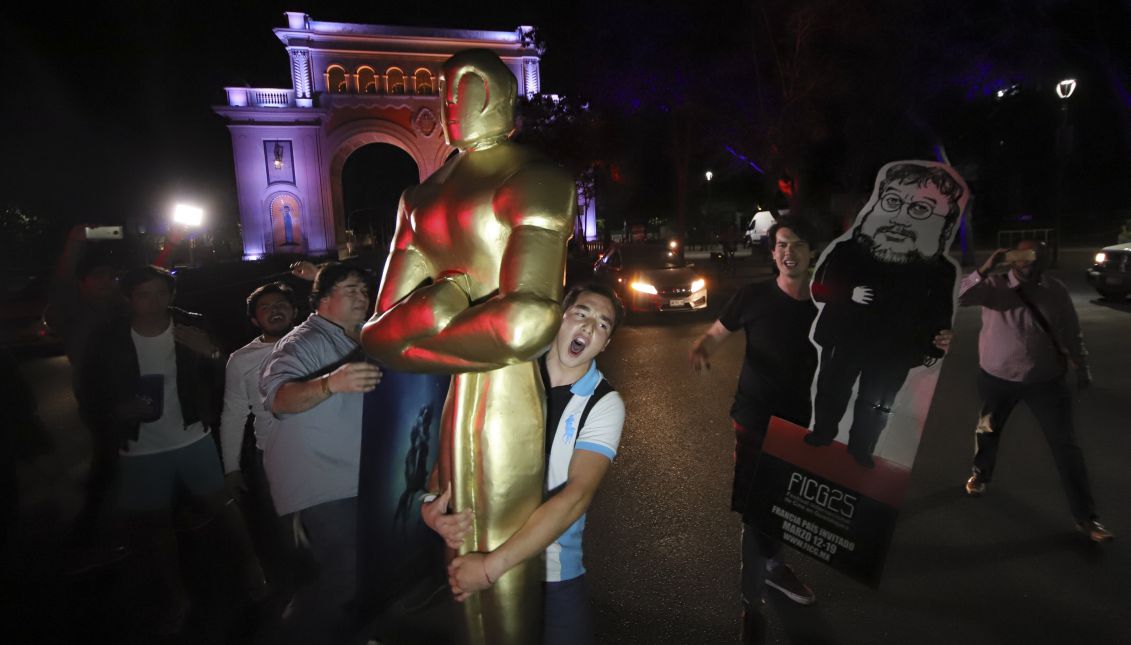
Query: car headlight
[644, 287]
[1101, 258]
[698, 284]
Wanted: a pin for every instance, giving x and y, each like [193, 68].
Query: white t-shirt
[241, 395]
[157, 355]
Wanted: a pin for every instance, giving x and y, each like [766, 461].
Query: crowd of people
[277, 424]
[177, 424]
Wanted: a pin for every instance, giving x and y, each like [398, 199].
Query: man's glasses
[892, 203]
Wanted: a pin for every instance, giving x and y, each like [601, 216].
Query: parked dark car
[1111, 273]
[22, 303]
[652, 277]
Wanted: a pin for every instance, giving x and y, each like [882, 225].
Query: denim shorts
[150, 482]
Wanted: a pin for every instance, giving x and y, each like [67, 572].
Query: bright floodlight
[188, 215]
[1065, 88]
[709, 175]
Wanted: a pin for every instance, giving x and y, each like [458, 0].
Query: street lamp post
[1064, 90]
[191, 217]
[709, 175]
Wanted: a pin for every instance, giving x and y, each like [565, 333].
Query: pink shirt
[1012, 346]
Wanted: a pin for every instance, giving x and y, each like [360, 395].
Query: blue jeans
[757, 551]
[568, 617]
[321, 612]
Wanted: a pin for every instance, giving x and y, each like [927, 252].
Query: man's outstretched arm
[477, 571]
[705, 345]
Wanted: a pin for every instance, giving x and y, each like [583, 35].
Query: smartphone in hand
[1021, 255]
[151, 388]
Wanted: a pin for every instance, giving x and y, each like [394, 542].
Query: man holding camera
[1030, 337]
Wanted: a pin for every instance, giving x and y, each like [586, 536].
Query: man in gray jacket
[314, 382]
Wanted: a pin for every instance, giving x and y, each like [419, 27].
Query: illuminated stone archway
[352, 85]
[362, 133]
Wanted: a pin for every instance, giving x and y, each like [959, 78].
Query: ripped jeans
[1051, 404]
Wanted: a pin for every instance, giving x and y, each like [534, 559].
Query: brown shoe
[975, 486]
[1095, 531]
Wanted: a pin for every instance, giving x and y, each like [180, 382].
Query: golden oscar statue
[472, 288]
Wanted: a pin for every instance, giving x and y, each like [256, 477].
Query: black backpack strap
[1042, 322]
[602, 389]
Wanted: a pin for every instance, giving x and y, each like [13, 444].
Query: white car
[760, 225]
[1110, 274]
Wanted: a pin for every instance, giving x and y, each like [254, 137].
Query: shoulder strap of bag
[1042, 322]
[603, 388]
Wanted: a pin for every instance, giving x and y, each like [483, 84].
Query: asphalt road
[662, 546]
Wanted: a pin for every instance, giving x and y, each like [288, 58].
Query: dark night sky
[107, 108]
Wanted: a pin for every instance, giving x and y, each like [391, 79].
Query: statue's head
[478, 95]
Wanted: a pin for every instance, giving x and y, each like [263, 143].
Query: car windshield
[650, 256]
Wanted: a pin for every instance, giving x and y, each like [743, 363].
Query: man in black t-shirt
[775, 381]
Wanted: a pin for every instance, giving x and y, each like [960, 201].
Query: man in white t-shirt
[271, 308]
[584, 421]
[153, 382]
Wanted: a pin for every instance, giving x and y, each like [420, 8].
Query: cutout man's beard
[887, 254]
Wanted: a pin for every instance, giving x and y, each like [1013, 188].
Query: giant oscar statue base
[472, 288]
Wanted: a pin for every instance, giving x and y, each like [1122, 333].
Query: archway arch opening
[337, 82]
[373, 178]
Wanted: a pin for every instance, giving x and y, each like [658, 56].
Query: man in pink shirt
[1030, 337]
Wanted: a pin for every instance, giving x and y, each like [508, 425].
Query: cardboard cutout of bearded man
[885, 289]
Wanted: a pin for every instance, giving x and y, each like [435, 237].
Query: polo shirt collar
[586, 385]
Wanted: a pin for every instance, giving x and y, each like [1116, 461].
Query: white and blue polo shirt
[600, 434]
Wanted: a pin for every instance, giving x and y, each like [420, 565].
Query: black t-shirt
[780, 361]
[557, 398]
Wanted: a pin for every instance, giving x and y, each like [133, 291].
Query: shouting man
[584, 420]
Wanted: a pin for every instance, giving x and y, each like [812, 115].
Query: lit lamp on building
[190, 217]
[278, 156]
